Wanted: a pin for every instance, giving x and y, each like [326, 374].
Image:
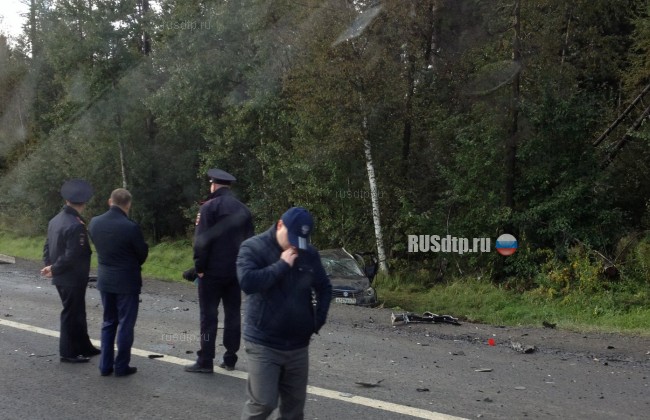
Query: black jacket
[67, 249]
[222, 224]
[279, 311]
[121, 251]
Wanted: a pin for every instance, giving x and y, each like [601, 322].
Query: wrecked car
[351, 276]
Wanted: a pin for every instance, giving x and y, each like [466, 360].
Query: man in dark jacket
[222, 224]
[121, 251]
[66, 256]
[288, 297]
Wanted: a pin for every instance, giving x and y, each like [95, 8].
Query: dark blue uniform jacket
[222, 224]
[121, 251]
[279, 312]
[67, 249]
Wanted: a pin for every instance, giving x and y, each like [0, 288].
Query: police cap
[218, 176]
[76, 191]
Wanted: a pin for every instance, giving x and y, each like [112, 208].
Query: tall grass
[477, 300]
[166, 261]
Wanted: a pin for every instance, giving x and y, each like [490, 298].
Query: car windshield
[341, 267]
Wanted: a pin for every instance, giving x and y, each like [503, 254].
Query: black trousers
[74, 338]
[211, 292]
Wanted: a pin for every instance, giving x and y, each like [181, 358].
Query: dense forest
[385, 118]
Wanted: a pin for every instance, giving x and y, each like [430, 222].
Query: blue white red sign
[506, 244]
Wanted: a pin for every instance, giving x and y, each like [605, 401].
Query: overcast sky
[10, 11]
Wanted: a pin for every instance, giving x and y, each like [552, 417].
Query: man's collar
[118, 209]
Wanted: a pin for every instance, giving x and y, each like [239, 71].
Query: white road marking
[322, 392]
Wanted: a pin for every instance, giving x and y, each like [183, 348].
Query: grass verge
[481, 301]
[166, 261]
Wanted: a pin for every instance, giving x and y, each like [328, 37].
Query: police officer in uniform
[222, 224]
[66, 256]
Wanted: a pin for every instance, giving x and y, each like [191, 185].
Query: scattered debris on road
[426, 317]
[521, 348]
[483, 370]
[156, 356]
[369, 384]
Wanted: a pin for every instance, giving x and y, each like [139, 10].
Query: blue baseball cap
[76, 191]
[299, 225]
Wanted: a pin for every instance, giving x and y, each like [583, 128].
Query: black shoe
[109, 372]
[198, 368]
[227, 367]
[92, 352]
[78, 359]
[127, 372]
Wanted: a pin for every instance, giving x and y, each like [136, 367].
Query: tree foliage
[285, 95]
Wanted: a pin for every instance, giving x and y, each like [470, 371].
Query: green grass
[29, 248]
[468, 299]
[481, 301]
[166, 261]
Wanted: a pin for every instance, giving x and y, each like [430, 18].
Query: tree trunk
[32, 28]
[120, 147]
[146, 39]
[408, 115]
[511, 146]
[374, 197]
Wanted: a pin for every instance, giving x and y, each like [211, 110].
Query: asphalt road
[434, 371]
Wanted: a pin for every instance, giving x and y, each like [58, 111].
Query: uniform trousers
[211, 292]
[275, 375]
[120, 314]
[74, 339]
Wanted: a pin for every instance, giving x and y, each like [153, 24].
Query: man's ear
[110, 201]
[279, 225]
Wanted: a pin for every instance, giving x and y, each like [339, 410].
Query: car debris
[522, 348]
[426, 317]
[369, 384]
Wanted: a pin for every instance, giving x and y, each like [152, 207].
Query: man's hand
[289, 256]
[46, 271]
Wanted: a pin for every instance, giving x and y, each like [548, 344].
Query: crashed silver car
[351, 276]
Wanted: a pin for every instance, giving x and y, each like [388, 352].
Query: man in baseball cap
[299, 224]
[288, 296]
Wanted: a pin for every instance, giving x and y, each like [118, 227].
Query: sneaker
[198, 368]
[226, 367]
